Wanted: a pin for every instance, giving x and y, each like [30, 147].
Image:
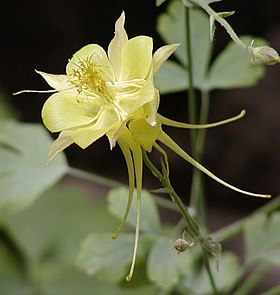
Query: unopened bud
[180, 245]
[266, 54]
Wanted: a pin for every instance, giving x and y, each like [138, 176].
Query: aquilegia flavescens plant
[113, 94]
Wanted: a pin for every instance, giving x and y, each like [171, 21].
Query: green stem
[223, 234]
[88, 176]
[110, 183]
[251, 282]
[209, 272]
[235, 228]
[192, 112]
[191, 91]
[222, 22]
[197, 188]
[191, 223]
[192, 227]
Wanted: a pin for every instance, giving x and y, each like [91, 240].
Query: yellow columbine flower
[113, 94]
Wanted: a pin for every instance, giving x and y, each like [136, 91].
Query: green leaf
[24, 173]
[107, 258]
[159, 2]
[150, 221]
[225, 278]
[165, 266]
[11, 278]
[6, 110]
[171, 27]
[70, 281]
[56, 223]
[233, 69]
[171, 77]
[262, 238]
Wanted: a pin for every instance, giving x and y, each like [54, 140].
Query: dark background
[43, 34]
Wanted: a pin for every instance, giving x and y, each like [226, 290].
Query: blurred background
[44, 34]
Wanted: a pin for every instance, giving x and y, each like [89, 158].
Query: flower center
[88, 77]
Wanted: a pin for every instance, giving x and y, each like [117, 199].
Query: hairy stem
[222, 22]
[191, 225]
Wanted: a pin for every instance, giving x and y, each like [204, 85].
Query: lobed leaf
[24, 173]
[262, 238]
[165, 267]
[150, 221]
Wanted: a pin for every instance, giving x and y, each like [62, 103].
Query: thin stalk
[222, 22]
[235, 228]
[192, 227]
[110, 183]
[209, 272]
[192, 113]
[252, 281]
[223, 234]
[88, 176]
[192, 109]
[197, 188]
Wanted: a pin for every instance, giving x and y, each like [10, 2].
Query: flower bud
[266, 54]
[180, 245]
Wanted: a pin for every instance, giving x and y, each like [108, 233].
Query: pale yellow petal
[108, 119]
[165, 139]
[168, 122]
[136, 58]
[58, 82]
[94, 56]
[131, 180]
[151, 108]
[129, 98]
[162, 54]
[117, 44]
[138, 166]
[144, 134]
[61, 143]
[65, 110]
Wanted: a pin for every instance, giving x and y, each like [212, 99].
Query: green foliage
[6, 110]
[47, 236]
[262, 239]
[150, 221]
[230, 69]
[225, 278]
[166, 267]
[24, 173]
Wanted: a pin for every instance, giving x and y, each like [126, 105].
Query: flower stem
[235, 228]
[197, 188]
[88, 176]
[192, 227]
[192, 110]
[222, 22]
[251, 282]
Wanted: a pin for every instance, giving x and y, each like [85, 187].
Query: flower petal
[165, 139]
[144, 134]
[151, 108]
[136, 58]
[95, 56]
[61, 143]
[108, 119]
[131, 180]
[64, 110]
[117, 44]
[129, 97]
[162, 54]
[58, 82]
